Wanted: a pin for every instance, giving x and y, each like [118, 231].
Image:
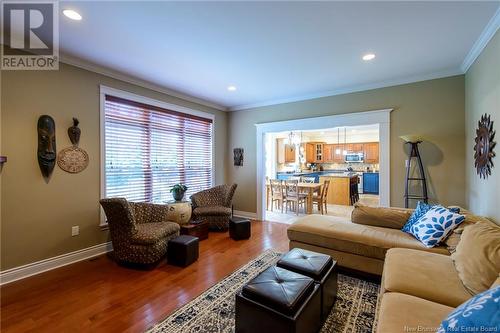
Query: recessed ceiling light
[231, 88]
[368, 57]
[70, 13]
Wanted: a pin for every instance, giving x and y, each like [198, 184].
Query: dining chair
[297, 178]
[276, 193]
[320, 199]
[354, 191]
[293, 196]
[309, 180]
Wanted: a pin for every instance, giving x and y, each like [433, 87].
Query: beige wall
[37, 217]
[482, 95]
[434, 109]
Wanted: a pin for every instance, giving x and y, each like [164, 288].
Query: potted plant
[178, 191]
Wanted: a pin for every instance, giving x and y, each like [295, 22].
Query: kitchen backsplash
[332, 166]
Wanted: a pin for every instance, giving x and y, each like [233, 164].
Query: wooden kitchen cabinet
[289, 154]
[320, 152]
[328, 151]
[338, 157]
[285, 152]
[339, 192]
[357, 147]
[371, 152]
[314, 152]
[310, 156]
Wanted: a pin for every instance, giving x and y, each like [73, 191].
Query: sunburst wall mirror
[484, 145]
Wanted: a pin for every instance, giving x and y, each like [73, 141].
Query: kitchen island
[341, 187]
[307, 173]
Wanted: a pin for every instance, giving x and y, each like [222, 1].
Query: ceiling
[273, 51]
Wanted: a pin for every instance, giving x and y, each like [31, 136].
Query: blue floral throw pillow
[481, 313]
[419, 211]
[435, 225]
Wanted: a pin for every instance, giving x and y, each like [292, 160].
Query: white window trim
[381, 117]
[104, 90]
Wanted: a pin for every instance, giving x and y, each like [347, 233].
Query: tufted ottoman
[317, 266]
[278, 301]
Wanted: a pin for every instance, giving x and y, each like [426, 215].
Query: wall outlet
[75, 230]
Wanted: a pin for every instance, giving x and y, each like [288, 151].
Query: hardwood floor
[98, 295]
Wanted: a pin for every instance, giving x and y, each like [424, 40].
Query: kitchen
[348, 157]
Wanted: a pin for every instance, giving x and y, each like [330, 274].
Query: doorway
[266, 132]
[333, 159]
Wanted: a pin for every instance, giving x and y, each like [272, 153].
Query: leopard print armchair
[139, 231]
[214, 206]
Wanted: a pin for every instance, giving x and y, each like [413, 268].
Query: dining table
[307, 188]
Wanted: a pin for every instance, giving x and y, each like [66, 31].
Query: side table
[197, 229]
[179, 211]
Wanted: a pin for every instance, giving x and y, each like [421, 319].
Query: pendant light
[345, 139]
[337, 150]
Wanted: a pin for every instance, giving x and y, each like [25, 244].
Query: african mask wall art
[46, 152]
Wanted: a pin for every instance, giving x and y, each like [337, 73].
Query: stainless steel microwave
[354, 158]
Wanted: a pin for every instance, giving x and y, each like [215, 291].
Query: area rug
[213, 311]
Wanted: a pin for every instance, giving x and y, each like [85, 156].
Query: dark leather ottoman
[182, 250]
[239, 228]
[317, 266]
[278, 301]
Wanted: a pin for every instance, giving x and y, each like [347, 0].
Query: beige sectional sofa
[356, 246]
[412, 294]
[419, 286]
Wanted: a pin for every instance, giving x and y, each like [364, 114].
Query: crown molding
[80, 63]
[483, 40]
[352, 89]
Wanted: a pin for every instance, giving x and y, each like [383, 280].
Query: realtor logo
[30, 38]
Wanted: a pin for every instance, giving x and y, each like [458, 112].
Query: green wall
[482, 95]
[434, 109]
[36, 217]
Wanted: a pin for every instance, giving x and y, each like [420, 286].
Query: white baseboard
[240, 213]
[21, 272]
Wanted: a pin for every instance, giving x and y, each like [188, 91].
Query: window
[147, 149]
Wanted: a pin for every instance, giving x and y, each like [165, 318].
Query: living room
[113, 113]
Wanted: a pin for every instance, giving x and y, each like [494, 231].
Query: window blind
[149, 149]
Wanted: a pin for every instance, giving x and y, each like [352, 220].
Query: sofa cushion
[150, 233]
[212, 211]
[405, 313]
[479, 314]
[391, 217]
[420, 211]
[338, 233]
[497, 282]
[453, 239]
[422, 274]
[435, 225]
[477, 256]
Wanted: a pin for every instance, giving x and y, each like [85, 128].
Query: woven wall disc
[73, 159]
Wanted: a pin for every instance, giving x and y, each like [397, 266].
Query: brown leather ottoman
[183, 250]
[278, 301]
[317, 266]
